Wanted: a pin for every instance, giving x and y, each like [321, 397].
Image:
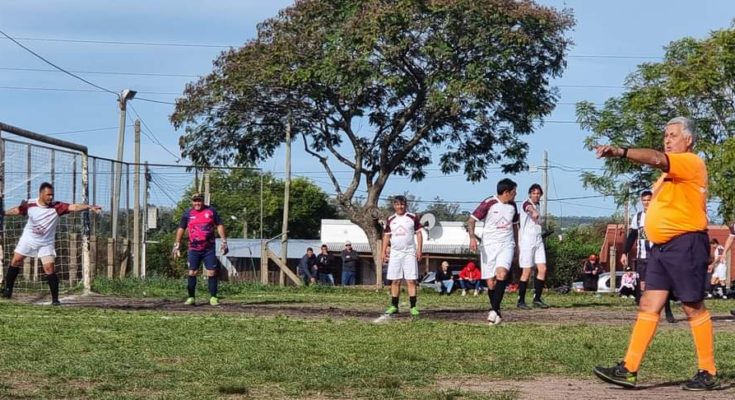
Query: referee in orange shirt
[676, 223]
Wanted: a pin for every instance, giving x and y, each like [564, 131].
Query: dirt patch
[589, 315]
[559, 388]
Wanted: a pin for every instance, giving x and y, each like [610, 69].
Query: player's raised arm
[77, 207]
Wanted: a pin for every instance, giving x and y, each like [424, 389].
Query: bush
[565, 257]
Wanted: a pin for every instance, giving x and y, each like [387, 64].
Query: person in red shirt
[470, 276]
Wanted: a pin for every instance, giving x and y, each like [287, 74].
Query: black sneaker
[617, 375]
[703, 380]
[55, 303]
[6, 293]
[523, 306]
[540, 304]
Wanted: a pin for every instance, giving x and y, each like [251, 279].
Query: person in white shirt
[499, 215]
[405, 253]
[532, 251]
[39, 236]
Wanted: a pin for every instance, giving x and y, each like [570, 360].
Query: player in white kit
[39, 236]
[400, 229]
[500, 217]
[531, 246]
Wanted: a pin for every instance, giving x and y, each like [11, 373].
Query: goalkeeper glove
[175, 253]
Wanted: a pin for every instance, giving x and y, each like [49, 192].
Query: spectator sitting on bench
[444, 280]
[470, 276]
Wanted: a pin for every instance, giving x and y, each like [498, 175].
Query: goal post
[23, 166]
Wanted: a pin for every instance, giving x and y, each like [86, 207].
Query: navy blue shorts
[640, 267]
[196, 257]
[680, 266]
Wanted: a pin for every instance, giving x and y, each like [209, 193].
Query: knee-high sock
[490, 295]
[53, 284]
[702, 333]
[212, 285]
[11, 277]
[643, 331]
[522, 291]
[498, 295]
[539, 288]
[191, 285]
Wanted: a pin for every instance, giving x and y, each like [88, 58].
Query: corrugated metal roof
[251, 247]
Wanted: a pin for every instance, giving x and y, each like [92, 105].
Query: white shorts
[495, 256]
[720, 271]
[532, 252]
[402, 265]
[44, 251]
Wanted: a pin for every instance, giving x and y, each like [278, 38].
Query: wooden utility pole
[136, 205]
[286, 201]
[545, 205]
[145, 222]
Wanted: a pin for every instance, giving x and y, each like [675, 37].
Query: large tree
[236, 193]
[382, 87]
[696, 79]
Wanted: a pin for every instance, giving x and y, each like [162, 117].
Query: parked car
[603, 283]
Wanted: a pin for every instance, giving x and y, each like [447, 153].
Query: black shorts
[680, 266]
[640, 267]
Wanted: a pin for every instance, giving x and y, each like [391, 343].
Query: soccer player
[39, 234]
[532, 251]
[500, 217]
[200, 222]
[405, 253]
[676, 223]
[637, 235]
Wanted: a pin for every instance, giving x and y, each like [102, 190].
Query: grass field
[92, 353]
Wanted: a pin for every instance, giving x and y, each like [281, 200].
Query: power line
[54, 65]
[79, 90]
[155, 74]
[83, 131]
[122, 43]
[153, 138]
[222, 46]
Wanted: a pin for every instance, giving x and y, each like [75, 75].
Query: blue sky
[611, 38]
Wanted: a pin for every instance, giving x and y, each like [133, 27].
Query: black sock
[212, 284]
[412, 301]
[498, 295]
[667, 309]
[522, 291]
[490, 294]
[53, 284]
[394, 301]
[10, 278]
[191, 285]
[539, 287]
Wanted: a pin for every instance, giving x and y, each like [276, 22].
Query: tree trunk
[362, 217]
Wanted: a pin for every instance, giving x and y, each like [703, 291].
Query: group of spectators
[469, 278]
[321, 268]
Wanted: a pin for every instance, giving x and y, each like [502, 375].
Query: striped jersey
[642, 244]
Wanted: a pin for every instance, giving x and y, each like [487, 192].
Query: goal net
[25, 165]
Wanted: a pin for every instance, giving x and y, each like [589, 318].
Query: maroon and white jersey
[402, 229]
[42, 220]
[530, 228]
[498, 219]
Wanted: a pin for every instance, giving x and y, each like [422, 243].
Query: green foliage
[377, 86]
[236, 194]
[695, 79]
[565, 256]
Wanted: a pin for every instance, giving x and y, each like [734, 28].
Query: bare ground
[540, 388]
